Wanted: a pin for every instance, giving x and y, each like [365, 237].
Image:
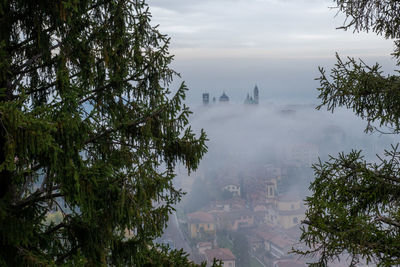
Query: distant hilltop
[224, 98]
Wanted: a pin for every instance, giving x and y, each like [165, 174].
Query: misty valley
[233, 133]
[245, 203]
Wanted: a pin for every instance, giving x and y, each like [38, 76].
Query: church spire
[256, 94]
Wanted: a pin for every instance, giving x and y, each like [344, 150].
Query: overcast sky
[231, 45]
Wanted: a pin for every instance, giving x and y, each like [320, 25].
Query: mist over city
[251, 145]
[246, 202]
[212, 133]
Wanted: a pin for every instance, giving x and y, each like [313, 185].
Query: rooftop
[282, 241]
[289, 263]
[200, 217]
[224, 254]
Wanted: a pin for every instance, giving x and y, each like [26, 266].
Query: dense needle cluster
[354, 210]
[89, 134]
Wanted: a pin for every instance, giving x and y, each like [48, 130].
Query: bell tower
[255, 95]
[271, 190]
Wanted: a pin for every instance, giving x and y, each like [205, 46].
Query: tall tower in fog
[252, 100]
[256, 95]
[206, 98]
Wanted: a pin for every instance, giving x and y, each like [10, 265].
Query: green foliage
[369, 15]
[354, 210]
[223, 239]
[364, 89]
[255, 263]
[241, 249]
[88, 127]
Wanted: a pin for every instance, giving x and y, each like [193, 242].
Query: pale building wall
[286, 205]
[288, 221]
[271, 217]
[234, 189]
[194, 228]
[267, 246]
[247, 221]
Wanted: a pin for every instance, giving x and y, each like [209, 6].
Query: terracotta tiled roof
[289, 263]
[281, 241]
[224, 254]
[200, 217]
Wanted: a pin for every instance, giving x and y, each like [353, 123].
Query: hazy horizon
[232, 45]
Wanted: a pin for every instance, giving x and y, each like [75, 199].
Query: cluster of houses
[263, 204]
[269, 219]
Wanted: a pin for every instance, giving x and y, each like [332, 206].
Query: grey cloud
[277, 25]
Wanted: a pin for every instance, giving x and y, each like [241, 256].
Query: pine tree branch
[55, 228]
[388, 220]
[129, 124]
[50, 62]
[62, 257]
[17, 46]
[32, 59]
[36, 197]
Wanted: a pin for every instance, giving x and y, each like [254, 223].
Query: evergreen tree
[90, 129]
[241, 249]
[354, 210]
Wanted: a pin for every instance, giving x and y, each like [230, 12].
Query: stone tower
[256, 95]
[206, 98]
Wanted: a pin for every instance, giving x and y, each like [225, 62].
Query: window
[295, 220]
[292, 206]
